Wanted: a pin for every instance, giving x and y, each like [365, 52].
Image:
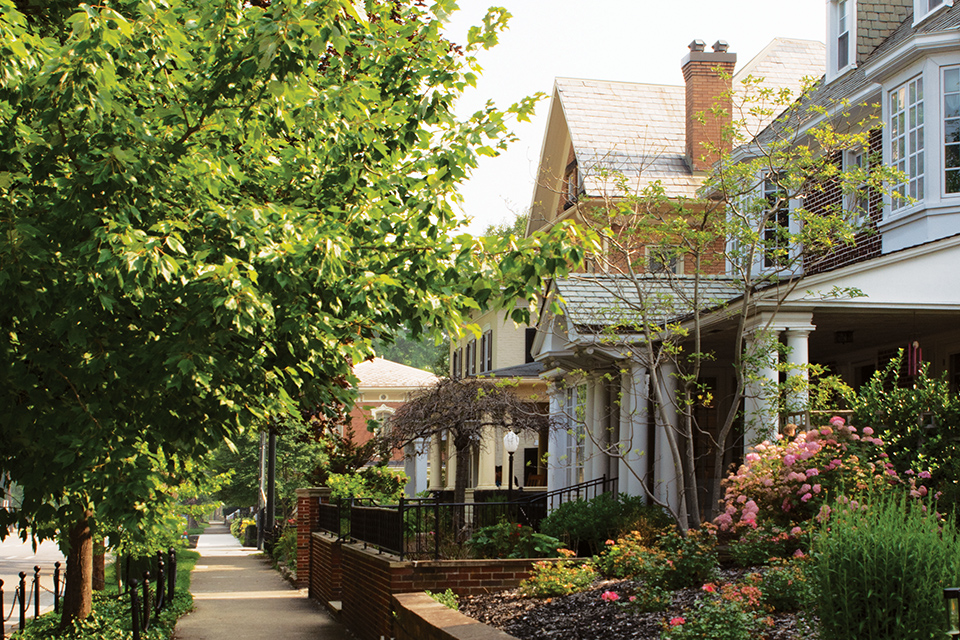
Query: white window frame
[906, 143]
[922, 9]
[767, 262]
[839, 24]
[942, 134]
[382, 415]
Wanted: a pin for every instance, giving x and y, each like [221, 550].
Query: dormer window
[906, 142]
[924, 8]
[572, 185]
[842, 37]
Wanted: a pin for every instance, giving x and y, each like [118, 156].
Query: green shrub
[880, 569]
[760, 545]
[558, 578]
[691, 559]
[110, 617]
[285, 549]
[785, 586]
[448, 598]
[630, 557]
[593, 522]
[713, 618]
[649, 599]
[511, 540]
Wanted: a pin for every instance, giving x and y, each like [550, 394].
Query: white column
[436, 463]
[486, 473]
[634, 441]
[597, 438]
[589, 430]
[798, 359]
[451, 464]
[602, 428]
[666, 487]
[557, 464]
[415, 466]
[761, 418]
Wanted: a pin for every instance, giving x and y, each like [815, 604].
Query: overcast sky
[625, 40]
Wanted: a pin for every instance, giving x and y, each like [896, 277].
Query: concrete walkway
[239, 596]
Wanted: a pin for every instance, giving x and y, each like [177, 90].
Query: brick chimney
[705, 90]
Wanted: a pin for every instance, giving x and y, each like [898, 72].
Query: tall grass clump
[880, 569]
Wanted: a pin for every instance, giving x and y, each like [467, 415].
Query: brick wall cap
[314, 492]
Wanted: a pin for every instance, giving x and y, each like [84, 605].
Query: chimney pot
[697, 45]
[721, 46]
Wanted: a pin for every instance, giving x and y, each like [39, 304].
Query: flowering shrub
[558, 578]
[766, 542]
[785, 586]
[791, 481]
[716, 618]
[511, 540]
[629, 557]
[690, 559]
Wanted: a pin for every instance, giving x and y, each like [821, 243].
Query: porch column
[590, 451]
[451, 465]
[557, 464]
[634, 441]
[415, 466]
[665, 486]
[761, 418]
[436, 463]
[486, 474]
[798, 359]
[601, 437]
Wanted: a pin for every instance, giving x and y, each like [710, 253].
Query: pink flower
[812, 472]
[796, 531]
[709, 587]
[632, 598]
[789, 459]
[925, 475]
[676, 621]
[609, 542]
[837, 421]
[609, 596]
[817, 488]
[826, 431]
[867, 431]
[806, 497]
[798, 553]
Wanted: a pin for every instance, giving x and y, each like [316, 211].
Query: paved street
[17, 556]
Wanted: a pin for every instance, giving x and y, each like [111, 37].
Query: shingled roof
[638, 130]
[593, 301]
[382, 374]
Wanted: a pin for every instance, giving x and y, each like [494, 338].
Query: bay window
[906, 141]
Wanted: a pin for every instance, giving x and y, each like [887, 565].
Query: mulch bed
[584, 616]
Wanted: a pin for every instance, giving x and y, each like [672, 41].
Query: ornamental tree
[209, 210]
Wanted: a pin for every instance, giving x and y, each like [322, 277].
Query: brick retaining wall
[420, 617]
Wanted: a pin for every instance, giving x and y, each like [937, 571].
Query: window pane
[951, 80]
[951, 155]
[953, 181]
[951, 106]
[951, 131]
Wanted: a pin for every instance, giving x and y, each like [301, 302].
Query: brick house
[901, 61]
[384, 387]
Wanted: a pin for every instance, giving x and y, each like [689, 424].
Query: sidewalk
[238, 596]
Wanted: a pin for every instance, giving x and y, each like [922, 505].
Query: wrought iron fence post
[56, 587]
[171, 573]
[159, 591]
[403, 531]
[23, 600]
[436, 528]
[3, 634]
[146, 600]
[36, 592]
[134, 609]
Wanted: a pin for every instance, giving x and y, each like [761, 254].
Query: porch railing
[422, 528]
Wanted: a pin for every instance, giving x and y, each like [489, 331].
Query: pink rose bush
[788, 482]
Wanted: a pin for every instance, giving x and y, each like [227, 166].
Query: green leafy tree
[209, 210]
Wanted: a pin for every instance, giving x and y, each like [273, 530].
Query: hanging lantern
[952, 596]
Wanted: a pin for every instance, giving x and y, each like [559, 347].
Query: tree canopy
[209, 210]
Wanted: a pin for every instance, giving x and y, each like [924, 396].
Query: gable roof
[639, 130]
[381, 374]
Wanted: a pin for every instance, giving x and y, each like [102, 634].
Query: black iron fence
[145, 601]
[421, 528]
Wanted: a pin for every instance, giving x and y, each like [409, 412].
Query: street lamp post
[952, 596]
[511, 442]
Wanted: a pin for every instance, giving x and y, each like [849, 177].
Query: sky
[624, 40]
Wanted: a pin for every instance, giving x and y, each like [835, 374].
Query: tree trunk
[78, 594]
[460, 485]
[99, 579]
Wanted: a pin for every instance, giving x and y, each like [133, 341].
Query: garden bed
[587, 615]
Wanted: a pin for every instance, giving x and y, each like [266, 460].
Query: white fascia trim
[906, 53]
